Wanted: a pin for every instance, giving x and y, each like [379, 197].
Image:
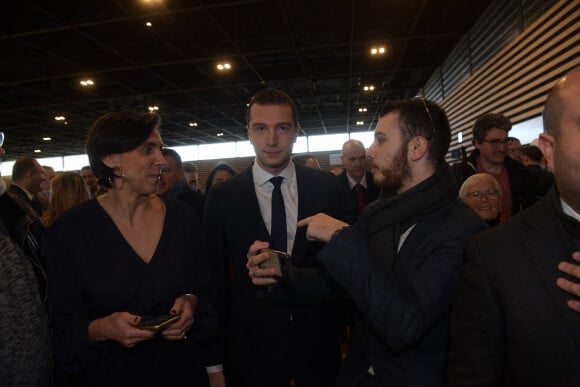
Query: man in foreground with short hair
[401, 261]
[515, 321]
[279, 327]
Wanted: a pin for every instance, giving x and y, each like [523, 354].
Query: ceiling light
[193, 124]
[47, 138]
[362, 110]
[378, 51]
[37, 151]
[60, 118]
[153, 109]
[148, 24]
[224, 66]
[369, 88]
[220, 134]
[87, 82]
[360, 123]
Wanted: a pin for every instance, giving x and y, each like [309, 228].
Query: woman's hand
[120, 327]
[185, 307]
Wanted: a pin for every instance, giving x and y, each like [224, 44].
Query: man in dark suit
[172, 183]
[277, 329]
[401, 261]
[513, 321]
[355, 176]
[27, 178]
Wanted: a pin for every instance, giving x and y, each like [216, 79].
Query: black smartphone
[280, 260]
[157, 323]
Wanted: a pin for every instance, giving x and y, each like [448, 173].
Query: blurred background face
[484, 199]
[493, 148]
[514, 150]
[89, 178]
[221, 176]
[192, 180]
[354, 160]
[170, 176]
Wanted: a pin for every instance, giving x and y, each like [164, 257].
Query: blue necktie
[278, 234]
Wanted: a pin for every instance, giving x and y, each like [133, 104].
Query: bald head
[353, 159]
[565, 90]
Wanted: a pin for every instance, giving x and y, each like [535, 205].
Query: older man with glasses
[521, 187]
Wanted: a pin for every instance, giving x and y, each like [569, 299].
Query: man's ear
[546, 143]
[417, 148]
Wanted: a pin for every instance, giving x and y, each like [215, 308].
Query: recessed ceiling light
[47, 138]
[360, 123]
[223, 66]
[369, 88]
[148, 24]
[60, 118]
[378, 50]
[220, 134]
[153, 109]
[193, 124]
[87, 82]
[37, 151]
[362, 110]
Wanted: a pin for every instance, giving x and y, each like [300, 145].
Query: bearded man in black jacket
[401, 261]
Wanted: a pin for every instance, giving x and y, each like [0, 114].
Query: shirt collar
[262, 177]
[352, 182]
[28, 194]
[569, 211]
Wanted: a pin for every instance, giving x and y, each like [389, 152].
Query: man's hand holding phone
[264, 265]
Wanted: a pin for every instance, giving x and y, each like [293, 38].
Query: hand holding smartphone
[279, 260]
[157, 323]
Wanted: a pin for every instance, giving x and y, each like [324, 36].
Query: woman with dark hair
[124, 256]
[220, 173]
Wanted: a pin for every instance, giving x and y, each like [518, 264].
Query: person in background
[67, 190]
[355, 176]
[307, 160]
[172, 184]
[25, 347]
[42, 197]
[515, 319]
[27, 179]
[89, 177]
[221, 172]
[482, 193]
[401, 261]
[514, 149]
[123, 256]
[191, 176]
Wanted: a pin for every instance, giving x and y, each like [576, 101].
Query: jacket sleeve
[476, 328]
[400, 306]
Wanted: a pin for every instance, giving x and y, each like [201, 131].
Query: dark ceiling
[316, 50]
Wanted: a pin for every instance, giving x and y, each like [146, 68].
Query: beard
[391, 178]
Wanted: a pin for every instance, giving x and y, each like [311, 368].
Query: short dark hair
[301, 159]
[271, 96]
[22, 166]
[421, 117]
[171, 153]
[114, 133]
[85, 168]
[533, 153]
[489, 121]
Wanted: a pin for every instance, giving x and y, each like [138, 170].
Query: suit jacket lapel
[546, 245]
[249, 202]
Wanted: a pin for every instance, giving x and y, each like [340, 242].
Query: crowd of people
[126, 273]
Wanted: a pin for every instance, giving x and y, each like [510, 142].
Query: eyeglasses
[479, 195]
[428, 114]
[497, 142]
[515, 150]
